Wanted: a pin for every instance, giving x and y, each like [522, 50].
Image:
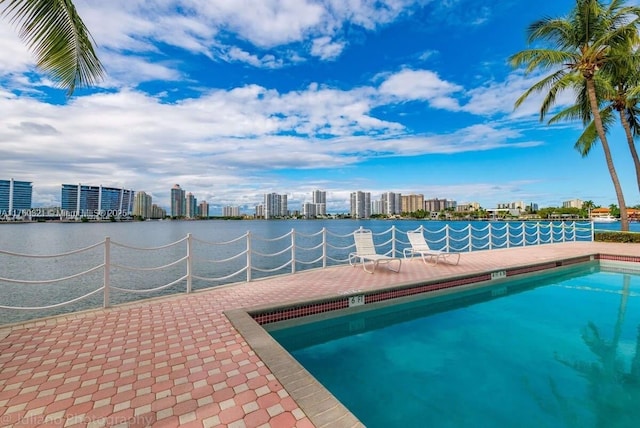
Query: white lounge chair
[366, 253]
[420, 246]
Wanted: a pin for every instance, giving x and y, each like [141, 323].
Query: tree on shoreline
[55, 33]
[582, 44]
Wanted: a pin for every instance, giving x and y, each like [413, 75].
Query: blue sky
[234, 99]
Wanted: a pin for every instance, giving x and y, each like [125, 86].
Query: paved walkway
[177, 361]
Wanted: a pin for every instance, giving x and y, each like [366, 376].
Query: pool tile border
[301, 309]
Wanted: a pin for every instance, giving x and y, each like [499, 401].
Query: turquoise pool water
[553, 350]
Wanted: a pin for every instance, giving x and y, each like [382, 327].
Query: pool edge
[320, 405]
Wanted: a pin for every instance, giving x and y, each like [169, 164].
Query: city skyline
[185, 204]
[407, 96]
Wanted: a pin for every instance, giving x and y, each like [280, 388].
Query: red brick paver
[177, 361]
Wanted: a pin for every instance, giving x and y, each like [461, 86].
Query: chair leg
[399, 266]
[364, 266]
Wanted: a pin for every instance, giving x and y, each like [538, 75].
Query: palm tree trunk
[591, 90]
[632, 146]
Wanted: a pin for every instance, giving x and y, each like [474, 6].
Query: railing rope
[448, 238]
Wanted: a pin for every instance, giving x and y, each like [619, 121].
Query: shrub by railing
[611, 236]
[245, 258]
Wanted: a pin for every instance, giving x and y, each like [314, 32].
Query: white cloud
[15, 56]
[426, 85]
[500, 97]
[324, 48]
[214, 27]
[266, 61]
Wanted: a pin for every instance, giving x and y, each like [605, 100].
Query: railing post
[508, 235]
[293, 251]
[189, 262]
[490, 236]
[107, 264]
[564, 236]
[324, 247]
[470, 237]
[573, 228]
[393, 240]
[248, 256]
[446, 239]
[593, 232]
[538, 233]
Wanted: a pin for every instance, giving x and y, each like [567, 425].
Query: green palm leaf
[54, 32]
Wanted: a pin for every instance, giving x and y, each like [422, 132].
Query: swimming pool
[553, 349]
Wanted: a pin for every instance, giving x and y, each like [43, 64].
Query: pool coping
[318, 403]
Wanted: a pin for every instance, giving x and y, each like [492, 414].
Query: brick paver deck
[178, 361]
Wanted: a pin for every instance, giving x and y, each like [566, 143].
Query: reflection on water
[614, 377]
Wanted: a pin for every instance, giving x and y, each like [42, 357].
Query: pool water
[556, 349]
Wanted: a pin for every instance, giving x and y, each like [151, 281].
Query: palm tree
[54, 32]
[614, 210]
[588, 206]
[582, 44]
[620, 90]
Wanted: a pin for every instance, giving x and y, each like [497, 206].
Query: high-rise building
[360, 204]
[230, 211]
[78, 200]
[412, 203]
[392, 203]
[437, 205]
[158, 212]
[574, 203]
[178, 202]
[377, 207]
[309, 210]
[468, 206]
[517, 205]
[15, 196]
[320, 201]
[142, 205]
[203, 209]
[275, 205]
[191, 210]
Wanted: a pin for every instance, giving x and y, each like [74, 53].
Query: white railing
[246, 258]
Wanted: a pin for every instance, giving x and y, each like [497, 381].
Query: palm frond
[542, 58]
[589, 137]
[55, 33]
